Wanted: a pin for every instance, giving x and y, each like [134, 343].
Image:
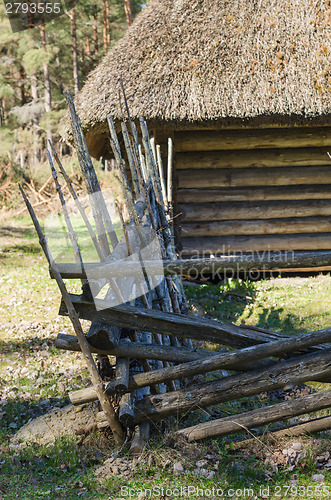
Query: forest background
[36, 66]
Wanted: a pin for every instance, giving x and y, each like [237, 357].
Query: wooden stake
[84, 346]
[78, 204]
[99, 207]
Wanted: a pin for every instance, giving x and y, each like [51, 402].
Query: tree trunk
[34, 88]
[95, 36]
[128, 14]
[108, 24]
[104, 30]
[74, 50]
[87, 48]
[22, 80]
[47, 83]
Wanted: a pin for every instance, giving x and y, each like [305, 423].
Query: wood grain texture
[214, 140]
[293, 225]
[229, 244]
[229, 194]
[253, 210]
[260, 158]
[297, 370]
[236, 177]
[258, 417]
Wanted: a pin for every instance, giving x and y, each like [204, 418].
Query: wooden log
[226, 360]
[308, 427]
[88, 394]
[229, 244]
[140, 439]
[138, 350]
[121, 381]
[230, 194]
[155, 321]
[293, 225]
[235, 177]
[264, 260]
[199, 212]
[258, 417]
[315, 425]
[215, 140]
[293, 371]
[103, 336]
[261, 158]
[126, 414]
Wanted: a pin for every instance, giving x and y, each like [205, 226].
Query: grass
[289, 305]
[35, 377]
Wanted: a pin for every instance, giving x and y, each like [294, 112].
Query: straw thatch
[217, 60]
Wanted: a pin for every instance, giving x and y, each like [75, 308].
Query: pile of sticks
[150, 334]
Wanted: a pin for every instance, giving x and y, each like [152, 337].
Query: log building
[244, 90]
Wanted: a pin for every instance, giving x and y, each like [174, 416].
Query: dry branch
[84, 345]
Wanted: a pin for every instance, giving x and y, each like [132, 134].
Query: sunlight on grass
[35, 376]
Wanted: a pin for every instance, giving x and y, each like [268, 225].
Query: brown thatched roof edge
[209, 61]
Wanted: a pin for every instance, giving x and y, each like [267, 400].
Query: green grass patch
[35, 376]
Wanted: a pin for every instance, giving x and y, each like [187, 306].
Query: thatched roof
[214, 60]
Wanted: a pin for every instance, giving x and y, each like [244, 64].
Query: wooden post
[122, 375]
[127, 411]
[103, 336]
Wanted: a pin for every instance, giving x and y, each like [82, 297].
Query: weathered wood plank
[214, 140]
[293, 225]
[230, 244]
[260, 158]
[230, 194]
[235, 177]
[194, 212]
[258, 417]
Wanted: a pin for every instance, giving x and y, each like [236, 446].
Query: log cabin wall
[253, 189]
